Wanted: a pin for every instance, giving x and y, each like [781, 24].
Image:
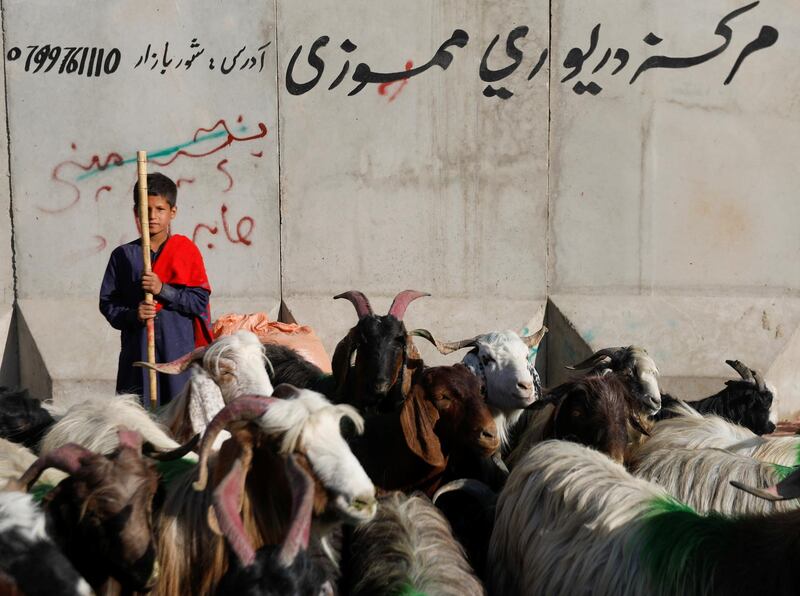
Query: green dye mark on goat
[409, 590]
[40, 490]
[170, 470]
[679, 548]
[782, 471]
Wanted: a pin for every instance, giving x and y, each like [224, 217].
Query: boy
[180, 290]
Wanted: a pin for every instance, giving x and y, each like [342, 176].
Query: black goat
[22, 417]
[385, 355]
[746, 402]
[288, 366]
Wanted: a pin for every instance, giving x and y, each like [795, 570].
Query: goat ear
[636, 423]
[341, 359]
[232, 466]
[417, 419]
[411, 364]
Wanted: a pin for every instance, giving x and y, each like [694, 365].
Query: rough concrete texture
[688, 337]
[631, 203]
[441, 190]
[213, 132]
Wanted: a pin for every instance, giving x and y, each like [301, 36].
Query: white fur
[701, 479]
[93, 423]
[694, 431]
[233, 365]
[309, 423]
[16, 459]
[19, 512]
[509, 381]
[563, 525]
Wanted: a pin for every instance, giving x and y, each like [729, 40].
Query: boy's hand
[146, 311]
[151, 283]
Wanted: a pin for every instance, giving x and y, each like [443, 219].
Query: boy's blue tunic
[120, 295]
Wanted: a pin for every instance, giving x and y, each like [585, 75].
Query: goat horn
[760, 383]
[595, 358]
[743, 371]
[227, 502]
[363, 307]
[401, 302]
[247, 407]
[177, 366]
[302, 502]
[788, 488]
[66, 458]
[534, 340]
[444, 347]
[150, 450]
[476, 488]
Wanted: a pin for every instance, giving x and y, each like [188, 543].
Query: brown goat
[100, 515]
[598, 411]
[444, 414]
[385, 355]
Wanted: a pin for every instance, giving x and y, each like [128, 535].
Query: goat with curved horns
[500, 360]
[385, 355]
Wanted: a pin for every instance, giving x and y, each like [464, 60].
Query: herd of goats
[389, 477]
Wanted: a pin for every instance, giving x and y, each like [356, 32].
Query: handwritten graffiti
[162, 60]
[244, 229]
[78, 60]
[383, 88]
[221, 168]
[204, 142]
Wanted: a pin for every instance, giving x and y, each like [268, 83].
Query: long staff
[144, 221]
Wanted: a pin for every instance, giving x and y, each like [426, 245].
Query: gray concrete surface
[661, 211]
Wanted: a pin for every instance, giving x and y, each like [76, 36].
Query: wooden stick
[144, 224]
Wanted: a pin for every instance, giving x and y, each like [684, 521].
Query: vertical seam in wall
[549, 120]
[8, 158]
[278, 141]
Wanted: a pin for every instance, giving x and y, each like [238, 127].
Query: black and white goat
[30, 562]
[22, 417]
[746, 402]
[633, 365]
[571, 521]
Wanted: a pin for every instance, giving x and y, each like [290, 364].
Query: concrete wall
[657, 211]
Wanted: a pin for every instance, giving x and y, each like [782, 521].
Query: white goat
[15, 459]
[571, 521]
[231, 366]
[700, 478]
[191, 557]
[94, 424]
[693, 431]
[501, 359]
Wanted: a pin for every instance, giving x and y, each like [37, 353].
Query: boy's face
[160, 214]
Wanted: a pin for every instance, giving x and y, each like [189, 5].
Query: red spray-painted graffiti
[221, 168]
[382, 88]
[71, 172]
[244, 228]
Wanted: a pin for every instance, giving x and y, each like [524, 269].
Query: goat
[385, 355]
[699, 478]
[285, 570]
[288, 366]
[571, 521]
[192, 559]
[746, 402]
[501, 360]
[16, 459]
[93, 424]
[633, 365]
[469, 506]
[22, 418]
[408, 548]
[443, 415]
[694, 431]
[230, 366]
[30, 563]
[100, 515]
[598, 411]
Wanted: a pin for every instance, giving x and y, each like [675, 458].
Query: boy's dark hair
[158, 184]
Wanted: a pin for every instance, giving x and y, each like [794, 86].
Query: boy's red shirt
[180, 263]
